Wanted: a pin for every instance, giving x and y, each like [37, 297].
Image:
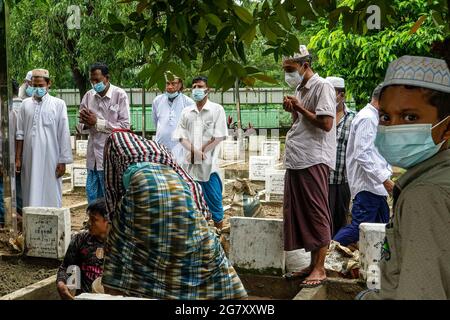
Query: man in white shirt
[166, 112]
[201, 130]
[368, 173]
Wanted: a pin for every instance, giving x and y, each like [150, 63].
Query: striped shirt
[366, 168]
[339, 176]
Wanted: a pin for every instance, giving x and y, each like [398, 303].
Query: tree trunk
[80, 80]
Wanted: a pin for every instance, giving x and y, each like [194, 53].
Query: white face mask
[293, 79]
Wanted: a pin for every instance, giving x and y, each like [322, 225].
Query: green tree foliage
[40, 38]
[363, 59]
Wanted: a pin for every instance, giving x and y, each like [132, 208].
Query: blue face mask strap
[440, 122]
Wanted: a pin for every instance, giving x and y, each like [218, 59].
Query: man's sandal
[294, 275]
[318, 283]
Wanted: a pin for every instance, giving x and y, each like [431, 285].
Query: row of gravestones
[234, 150]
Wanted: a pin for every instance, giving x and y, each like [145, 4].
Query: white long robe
[44, 128]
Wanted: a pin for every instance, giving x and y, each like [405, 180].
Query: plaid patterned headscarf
[123, 148]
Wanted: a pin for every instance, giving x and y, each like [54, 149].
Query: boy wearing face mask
[102, 109]
[310, 154]
[166, 112]
[413, 134]
[42, 145]
[201, 129]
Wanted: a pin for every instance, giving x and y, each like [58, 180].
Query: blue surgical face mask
[29, 91]
[99, 87]
[407, 145]
[172, 95]
[198, 94]
[40, 92]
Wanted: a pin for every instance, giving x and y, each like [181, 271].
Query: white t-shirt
[199, 128]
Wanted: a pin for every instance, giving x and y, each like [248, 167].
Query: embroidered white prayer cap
[337, 82]
[29, 76]
[302, 53]
[417, 71]
[41, 73]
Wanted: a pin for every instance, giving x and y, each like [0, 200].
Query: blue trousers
[212, 191]
[95, 185]
[367, 207]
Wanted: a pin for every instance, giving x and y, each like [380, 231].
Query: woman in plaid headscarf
[160, 245]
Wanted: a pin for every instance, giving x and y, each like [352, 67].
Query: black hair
[98, 207]
[376, 94]
[200, 78]
[340, 90]
[15, 87]
[100, 66]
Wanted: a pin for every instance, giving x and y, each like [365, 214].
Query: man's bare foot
[299, 274]
[317, 277]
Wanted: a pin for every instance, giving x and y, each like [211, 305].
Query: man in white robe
[166, 112]
[42, 145]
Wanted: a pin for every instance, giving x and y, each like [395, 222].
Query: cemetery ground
[18, 271]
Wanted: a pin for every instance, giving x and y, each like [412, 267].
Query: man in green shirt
[414, 134]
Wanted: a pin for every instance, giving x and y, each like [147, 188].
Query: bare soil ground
[19, 273]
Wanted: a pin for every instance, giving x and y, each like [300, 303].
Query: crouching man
[85, 251]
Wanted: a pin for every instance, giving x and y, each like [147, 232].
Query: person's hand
[287, 104]
[64, 292]
[389, 186]
[18, 165]
[60, 170]
[88, 117]
[296, 104]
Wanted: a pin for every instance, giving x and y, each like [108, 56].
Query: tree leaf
[251, 70]
[236, 69]
[214, 20]
[265, 78]
[243, 14]
[249, 35]
[202, 25]
[215, 74]
[249, 81]
[283, 17]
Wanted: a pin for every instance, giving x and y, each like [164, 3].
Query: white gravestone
[79, 177]
[271, 148]
[275, 185]
[72, 142]
[255, 143]
[371, 241]
[258, 166]
[47, 231]
[82, 148]
[69, 168]
[256, 244]
[230, 150]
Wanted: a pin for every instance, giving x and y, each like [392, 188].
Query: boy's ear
[447, 130]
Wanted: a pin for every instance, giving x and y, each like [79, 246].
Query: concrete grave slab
[271, 148]
[255, 143]
[258, 166]
[47, 231]
[79, 177]
[82, 148]
[275, 185]
[371, 240]
[256, 245]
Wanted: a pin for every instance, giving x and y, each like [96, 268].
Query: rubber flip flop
[293, 275]
[313, 285]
